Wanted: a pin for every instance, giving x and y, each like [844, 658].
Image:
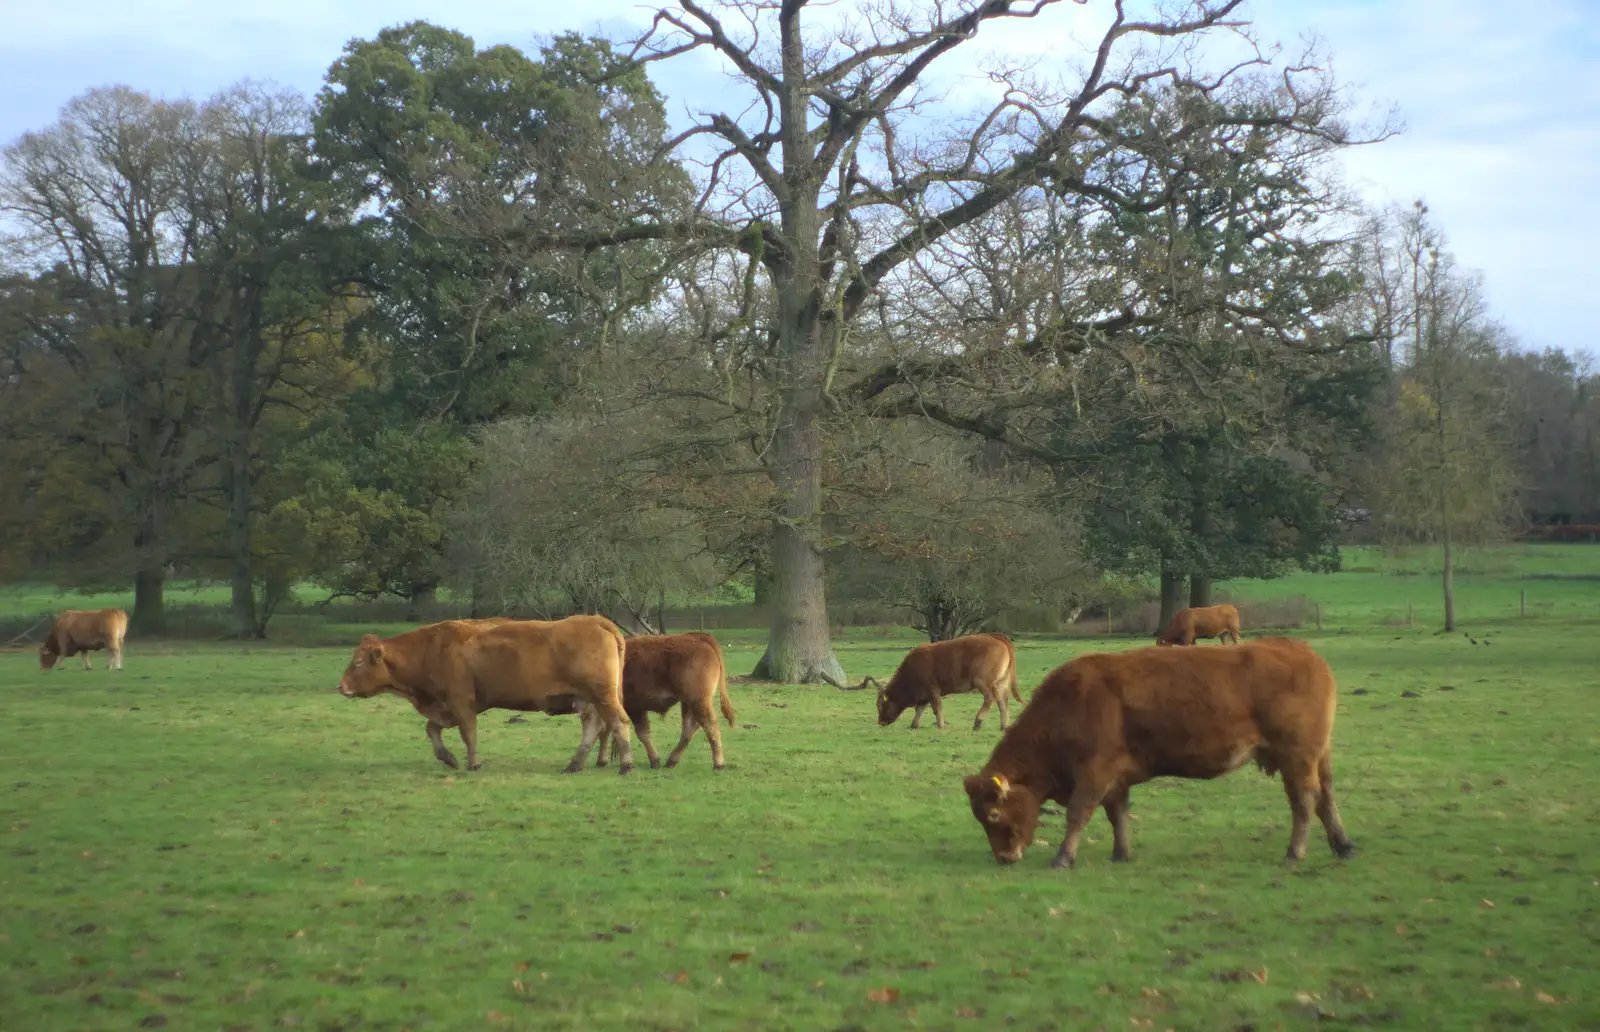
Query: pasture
[213, 838]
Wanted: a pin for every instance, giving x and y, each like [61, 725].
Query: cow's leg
[116, 658]
[938, 710]
[435, 736]
[690, 726]
[707, 719]
[1328, 812]
[591, 723]
[1000, 693]
[1081, 805]
[602, 754]
[86, 664]
[615, 718]
[641, 726]
[467, 727]
[1300, 785]
[916, 720]
[1116, 805]
[988, 700]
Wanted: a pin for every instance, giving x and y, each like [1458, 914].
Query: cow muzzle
[344, 690]
[1009, 857]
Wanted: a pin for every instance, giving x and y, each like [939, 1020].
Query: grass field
[214, 839]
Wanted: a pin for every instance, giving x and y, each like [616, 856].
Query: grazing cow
[1203, 622]
[454, 670]
[984, 663]
[1101, 724]
[663, 670]
[85, 630]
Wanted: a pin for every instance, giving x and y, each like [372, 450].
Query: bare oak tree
[830, 172]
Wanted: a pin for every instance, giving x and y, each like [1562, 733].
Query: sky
[1502, 110]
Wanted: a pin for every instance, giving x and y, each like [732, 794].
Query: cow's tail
[1011, 677]
[722, 689]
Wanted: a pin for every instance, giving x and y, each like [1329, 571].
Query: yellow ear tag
[997, 782]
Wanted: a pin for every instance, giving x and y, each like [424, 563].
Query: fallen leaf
[1399, 929]
[1056, 911]
[966, 1012]
[522, 966]
[819, 984]
[1150, 994]
[516, 984]
[497, 1017]
[1141, 1022]
[301, 934]
[1260, 976]
[738, 958]
[1508, 983]
[1489, 903]
[682, 977]
[1545, 998]
[888, 994]
[87, 854]
[1490, 952]
[1303, 998]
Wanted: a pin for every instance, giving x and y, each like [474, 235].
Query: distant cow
[454, 670]
[663, 670]
[983, 663]
[1101, 724]
[1201, 622]
[85, 630]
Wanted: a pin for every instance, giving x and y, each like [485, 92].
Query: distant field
[1561, 582]
[212, 838]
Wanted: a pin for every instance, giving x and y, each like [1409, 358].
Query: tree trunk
[242, 610]
[150, 572]
[149, 610]
[1171, 596]
[1449, 569]
[423, 600]
[1199, 591]
[798, 648]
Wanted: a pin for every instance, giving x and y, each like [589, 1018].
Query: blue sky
[1502, 109]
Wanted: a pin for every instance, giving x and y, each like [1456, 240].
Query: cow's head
[889, 707]
[368, 672]
[48, 655]
[1009, 814]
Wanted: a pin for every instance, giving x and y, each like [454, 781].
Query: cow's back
[1189, 712]
[660, 669]
[520, 660]
[80, 629]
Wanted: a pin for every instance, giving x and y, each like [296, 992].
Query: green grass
[213, 838]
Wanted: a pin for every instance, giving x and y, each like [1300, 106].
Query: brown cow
[1201, 622]
[85, 630]
[454, 670]
[1101, 724]
[663, 670]
[984, 663]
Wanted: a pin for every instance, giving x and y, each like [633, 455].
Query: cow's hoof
[1290, 860]
[655, 764]
[449, 760]
[1345, 851]
[1120, 858]
[719, 766]
[572, 768]
[602, 763]
[475, 766]
[1060, 863]
[626, 768]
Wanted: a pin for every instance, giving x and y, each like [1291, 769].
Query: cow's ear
[976, 785]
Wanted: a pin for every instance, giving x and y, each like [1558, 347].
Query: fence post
[1317, 606]
[1108, 619]
[1522, 601]
[1408, 614]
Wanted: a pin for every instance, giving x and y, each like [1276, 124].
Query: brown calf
[1203, 622]
[85, 630]
[1101, 724]
[663, 670]
[983, 663]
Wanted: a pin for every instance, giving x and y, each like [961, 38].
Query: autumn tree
[98, 227]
